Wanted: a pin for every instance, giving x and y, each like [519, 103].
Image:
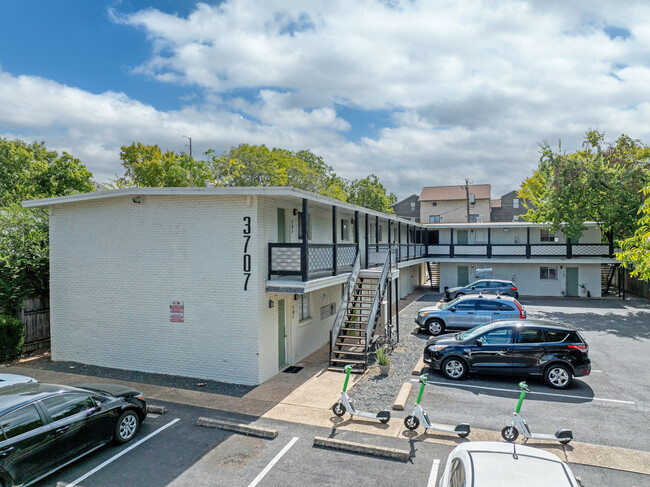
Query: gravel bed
[376, 392]
[188, 383]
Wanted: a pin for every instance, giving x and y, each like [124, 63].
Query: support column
[356, 230]
[335, 254]
[399, 241]
[528, 242]
[489, 245]
[397, 308]
[304, 252]
[377, 233]
[367, 245]
[408, 236]
[451, 243]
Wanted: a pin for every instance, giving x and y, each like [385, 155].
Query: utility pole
[467, 196]
[190, 144]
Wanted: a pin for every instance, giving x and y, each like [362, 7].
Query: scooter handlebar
[423, 379]
[523, 386]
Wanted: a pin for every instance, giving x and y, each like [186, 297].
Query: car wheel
[126, 427]
[411, 422]
[558, 376]
[454, 368]
[458, 295]
[435, 327]
[509, 433]
[338, 409]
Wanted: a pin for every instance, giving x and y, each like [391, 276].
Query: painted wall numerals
[247, 257]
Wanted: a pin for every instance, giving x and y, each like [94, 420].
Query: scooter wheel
[464, 434]
[565, 442]
[384, 420]
[338, 409]
[509, 433]
[411, 422]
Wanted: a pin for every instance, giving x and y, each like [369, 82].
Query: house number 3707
[247, 257]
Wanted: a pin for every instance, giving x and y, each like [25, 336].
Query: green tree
[30, 171]
[598, 183]
[149, 166]
[635, 250]
[370, 193]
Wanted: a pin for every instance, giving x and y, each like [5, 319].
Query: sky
[420, 93]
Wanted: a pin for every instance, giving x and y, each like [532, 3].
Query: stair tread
[350, 361]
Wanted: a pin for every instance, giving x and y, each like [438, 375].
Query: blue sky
[417, 92]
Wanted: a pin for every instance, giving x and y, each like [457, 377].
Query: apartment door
[282, 334]
[571, 281]
[463, 275]
[282, 230]
[461, 237]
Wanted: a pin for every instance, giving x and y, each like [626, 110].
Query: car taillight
[582, 348]
[521, 311]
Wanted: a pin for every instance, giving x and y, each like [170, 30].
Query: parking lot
[609, 408]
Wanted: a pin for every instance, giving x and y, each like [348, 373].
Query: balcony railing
[286, 259]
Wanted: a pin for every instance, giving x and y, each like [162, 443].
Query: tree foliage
[635, 250]
[248, 165]
[598, 183]
[30, 171]
[12, 337]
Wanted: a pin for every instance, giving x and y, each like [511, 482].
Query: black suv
[523, 347]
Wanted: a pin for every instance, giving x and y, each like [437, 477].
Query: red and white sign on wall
[176, 312]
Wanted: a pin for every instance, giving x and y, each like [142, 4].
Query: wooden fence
[35, 315]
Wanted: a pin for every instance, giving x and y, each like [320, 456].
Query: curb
[237, 428]
[402, 397]
[152, 408]
[419, 367]
[350, 446]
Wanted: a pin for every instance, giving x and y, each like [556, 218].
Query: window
[555, 336]
[468, 305]
[530, 336]
[488, 305]
[434, 218]
[515, 218]
[481, 284]
[496, 284]
[327, 311]
[483, 272]
[20, 421]
[473, 218]
[412, 205]
[303, 307]
[515, 203]
[502, 336]
[548, 273]
[504, 307]
[457, 473]
[345, 230]
[66, 405]
[547, 236]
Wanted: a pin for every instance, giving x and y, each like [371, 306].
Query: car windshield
[448, 304]
[474, 332]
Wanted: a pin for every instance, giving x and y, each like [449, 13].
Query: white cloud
[473, 86]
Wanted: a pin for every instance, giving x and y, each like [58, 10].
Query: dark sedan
[45, 426]
[554, 351]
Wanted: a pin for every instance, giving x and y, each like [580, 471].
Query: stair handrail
[343, 308]
[376, 302]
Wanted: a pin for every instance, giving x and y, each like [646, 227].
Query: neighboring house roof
[457, 192]
[413, 197]
[495, 203]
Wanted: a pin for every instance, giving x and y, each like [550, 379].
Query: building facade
[234, 284]
[449, 204]
[508, 208]
[408, 208]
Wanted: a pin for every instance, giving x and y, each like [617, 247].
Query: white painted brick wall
[116, 265]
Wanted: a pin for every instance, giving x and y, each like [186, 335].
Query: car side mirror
[452, 309]
[479, 343]
[473, 287]
[98, 405]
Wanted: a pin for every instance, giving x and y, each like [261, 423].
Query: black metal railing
[318, 260]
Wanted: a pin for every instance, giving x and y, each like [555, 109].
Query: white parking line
[532, 392]
[434, 473]
[123, 452]
[272, 462]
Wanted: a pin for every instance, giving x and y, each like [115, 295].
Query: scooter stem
[348, 370]
[423, 381]
[523, 386]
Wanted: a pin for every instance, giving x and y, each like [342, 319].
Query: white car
[10, 379]
[493, 464]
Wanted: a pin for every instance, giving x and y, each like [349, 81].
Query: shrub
[382, 356]
[12, 337]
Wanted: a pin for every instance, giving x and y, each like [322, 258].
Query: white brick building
[221, 283]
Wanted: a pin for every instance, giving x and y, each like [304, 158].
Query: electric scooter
[510, 433]
[345, 404]
[420, 416]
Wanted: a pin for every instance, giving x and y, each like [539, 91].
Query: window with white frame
[434, 218]
[412, 205]
[548, 273]
[300, 225]
[515, 218]
[345, 230]
[515, 203]
[473, 217]
[547, 236]
[303, 307]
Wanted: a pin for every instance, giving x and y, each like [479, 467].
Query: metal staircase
[434, 275]
[356, 321]
[607, 272]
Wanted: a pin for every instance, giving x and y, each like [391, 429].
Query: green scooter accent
[524, 387]
[348, 371]
[423, 382]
